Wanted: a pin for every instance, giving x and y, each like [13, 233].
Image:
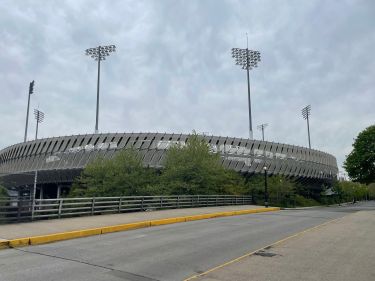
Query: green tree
[3, 192]
[360, 163]
[193, 169]
[371, 190]
[281, 190]
[350, 191]
[123, 175]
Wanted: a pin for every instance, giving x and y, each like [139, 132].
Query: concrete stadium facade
[59, 160]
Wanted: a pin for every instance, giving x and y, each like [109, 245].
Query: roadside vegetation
[360, 163]
[192, 169]
[3, 192]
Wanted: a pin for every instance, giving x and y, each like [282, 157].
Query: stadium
[58, 160]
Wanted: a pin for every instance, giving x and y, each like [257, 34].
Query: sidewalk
[342, 250]
[47, 227]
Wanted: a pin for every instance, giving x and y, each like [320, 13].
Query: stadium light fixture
[262, 127]
[99, 53]
[247, 59]
[31, 91]
[306, 112]
[39, 117]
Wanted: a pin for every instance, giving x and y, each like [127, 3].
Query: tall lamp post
[306, 112]
[262, 127]
[31, 91]
[265, 187]
[248, 59]
[99, 53]
[39, 117]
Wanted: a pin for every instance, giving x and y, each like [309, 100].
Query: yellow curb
[35, 240]
[167, 221]
[122, 227]
[43, 239]
[199, 217]
[4, 244]
[20, 242]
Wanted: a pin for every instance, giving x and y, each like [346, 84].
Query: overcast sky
[173, 70]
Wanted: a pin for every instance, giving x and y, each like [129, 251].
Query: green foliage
[193, 169]
[122, 175]
[3, 192]
[371, 190]
[350, 191]
[280, 189]
[305, 202]
[360, 163]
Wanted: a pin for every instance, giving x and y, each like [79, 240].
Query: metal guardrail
[12, 210]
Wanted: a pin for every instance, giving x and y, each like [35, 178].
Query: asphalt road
[170, 252]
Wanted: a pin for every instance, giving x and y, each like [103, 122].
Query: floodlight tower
[262, 127]
[31, 91]
[248, 59]
[39, 117]
[306, 112]
[99, 53]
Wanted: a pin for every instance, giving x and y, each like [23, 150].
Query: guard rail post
[60, 207]
[93, 206]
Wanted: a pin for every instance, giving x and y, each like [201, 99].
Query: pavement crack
[118, 273]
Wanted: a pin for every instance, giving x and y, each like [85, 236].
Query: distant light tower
[31, 91]
[306, 112]
[248, 59]
[262, 127]
[39, 117]
[99, 53]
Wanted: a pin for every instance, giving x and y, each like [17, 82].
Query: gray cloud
[173, 71]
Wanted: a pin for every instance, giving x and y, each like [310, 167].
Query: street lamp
[39, 117]
[99, 53]
[31, 91]
[265, 187]
[248, 59]
[306, 112]
[262, 127]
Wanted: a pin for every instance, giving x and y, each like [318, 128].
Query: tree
[360, 163]
[192, 169]
[123, 175]
[280, 189]
[3, 192]
[350, 191]
[371, 190]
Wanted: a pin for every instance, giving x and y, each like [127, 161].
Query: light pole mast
[306, 112]
[262, 127]
[99, 53]
[39, 117]
[31, 91]
[248, 59]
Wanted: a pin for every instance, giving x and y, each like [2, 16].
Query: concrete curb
[49, 238]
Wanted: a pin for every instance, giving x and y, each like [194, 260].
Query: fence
[12, 210]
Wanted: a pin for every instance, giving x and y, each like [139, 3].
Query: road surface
[169, 252]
